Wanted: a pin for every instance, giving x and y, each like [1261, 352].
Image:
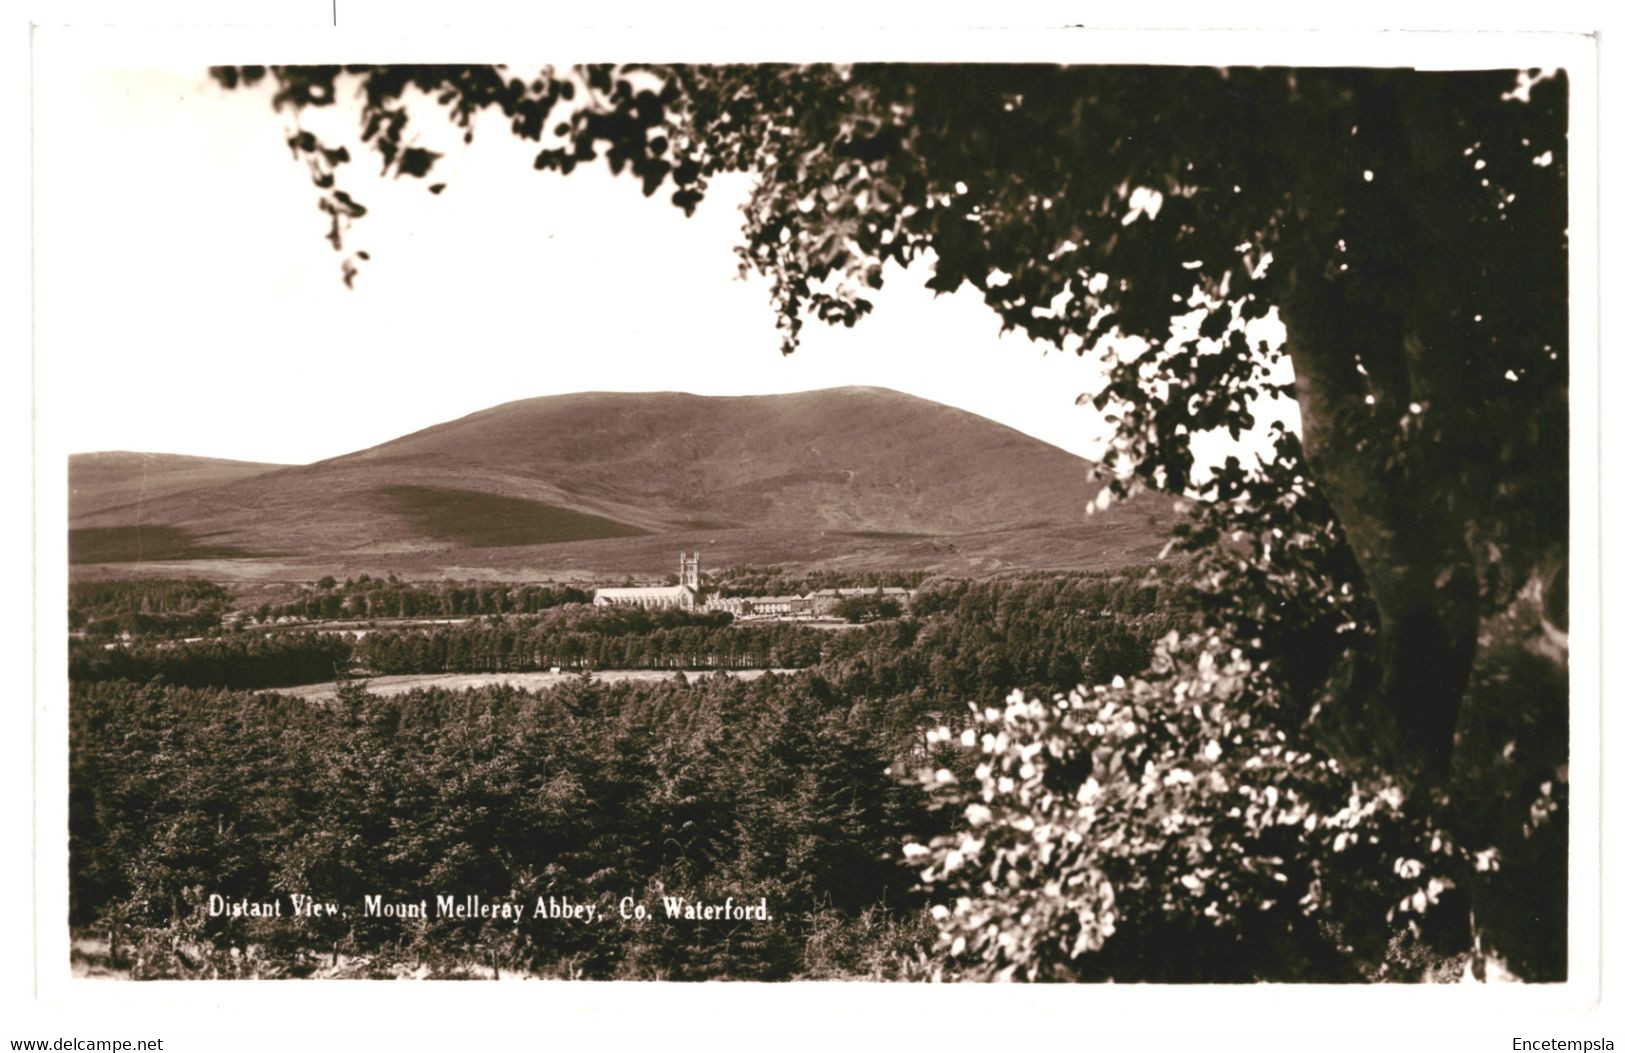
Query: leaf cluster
[1170, 828]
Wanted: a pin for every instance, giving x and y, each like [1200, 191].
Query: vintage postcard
[1064, 507]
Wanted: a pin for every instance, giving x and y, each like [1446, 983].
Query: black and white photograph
[1013, 515]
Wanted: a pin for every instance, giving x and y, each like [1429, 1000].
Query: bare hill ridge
[101, 481]
[611, 481]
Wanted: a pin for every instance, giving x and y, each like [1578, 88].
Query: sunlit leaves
[1186, 809]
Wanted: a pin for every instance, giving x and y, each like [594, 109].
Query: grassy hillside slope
[613, 482]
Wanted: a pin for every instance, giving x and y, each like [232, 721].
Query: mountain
[102, 481]
[614, 482]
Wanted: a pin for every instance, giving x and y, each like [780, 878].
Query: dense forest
[796, 788]
[146, 607]
[246, 660]
[776, 790]
[814, 794]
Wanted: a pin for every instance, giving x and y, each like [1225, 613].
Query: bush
[1166, 829]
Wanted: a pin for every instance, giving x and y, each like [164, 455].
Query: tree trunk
[1407, 534]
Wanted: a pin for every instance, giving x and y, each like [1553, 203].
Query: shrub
[1166, 828]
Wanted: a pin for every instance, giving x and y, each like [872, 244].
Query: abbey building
[685, 595]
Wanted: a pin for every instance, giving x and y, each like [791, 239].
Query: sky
[188, 302]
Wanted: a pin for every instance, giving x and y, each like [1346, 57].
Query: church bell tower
[688, 571]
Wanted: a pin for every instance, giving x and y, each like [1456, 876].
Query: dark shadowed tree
[1401, 560]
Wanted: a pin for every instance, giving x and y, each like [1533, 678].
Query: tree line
[368, 597]
[972, 641]
[241, 660]
[146, 606]
[777, 581]
[507, 645]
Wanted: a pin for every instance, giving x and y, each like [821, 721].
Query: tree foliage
[1166, 827]
[369, 597]
[153, 606]
[585, 638]
[246, 660]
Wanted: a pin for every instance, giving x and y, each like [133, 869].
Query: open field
[399, 685]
